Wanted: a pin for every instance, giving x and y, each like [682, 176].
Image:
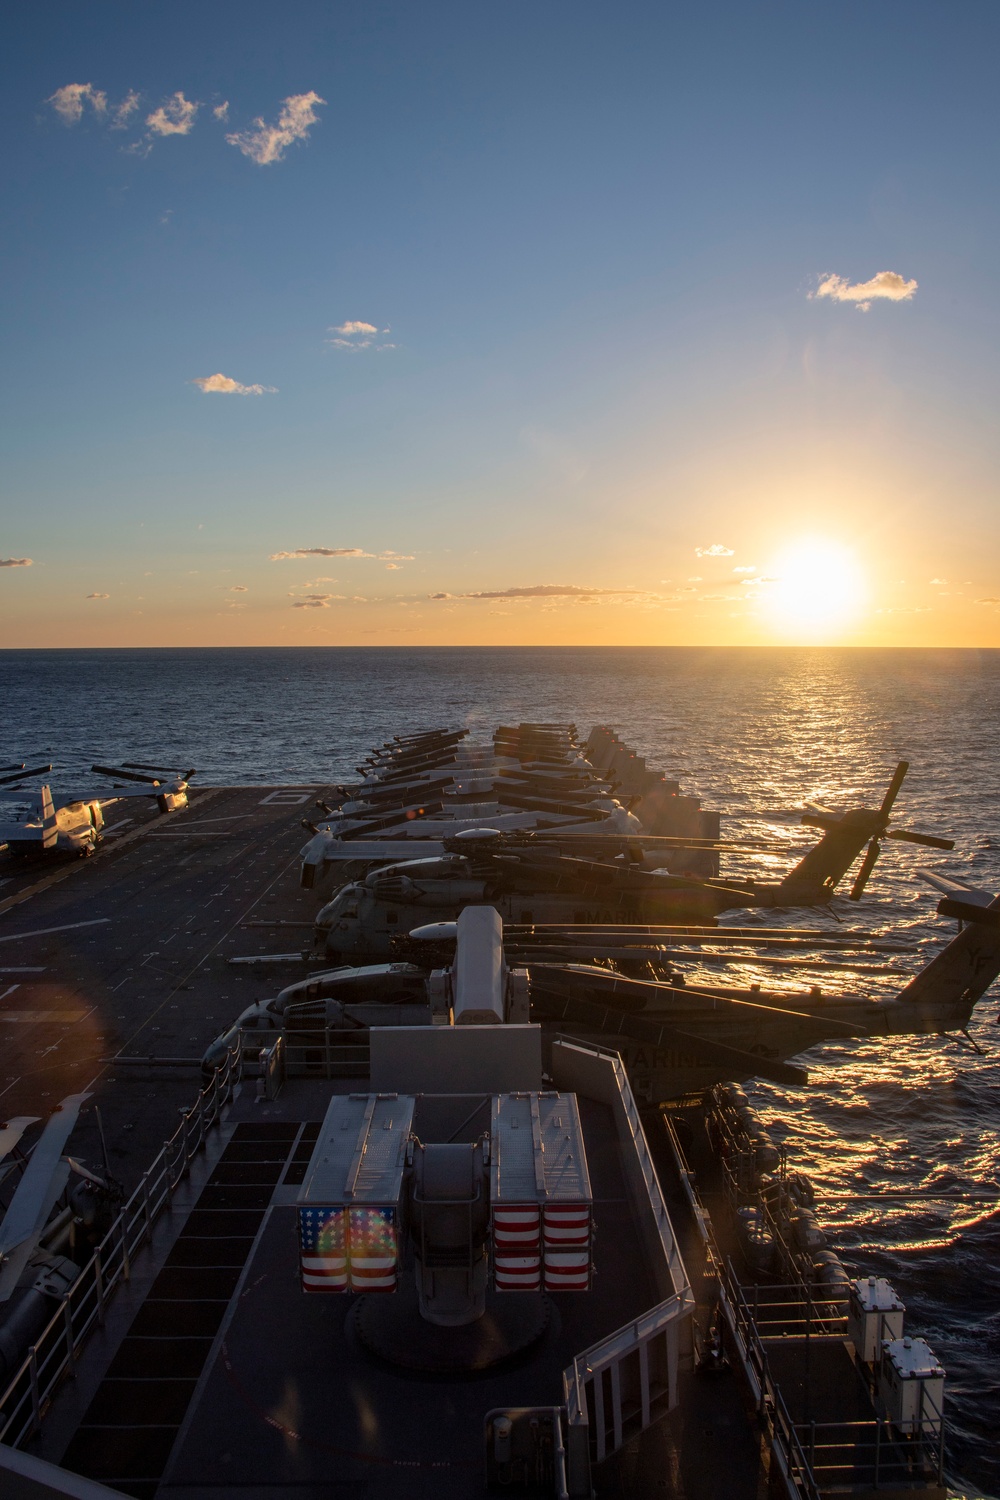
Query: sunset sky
[548, 322]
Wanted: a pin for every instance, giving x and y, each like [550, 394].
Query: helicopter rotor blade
[898, 777]
[906, 836]
[867, 865]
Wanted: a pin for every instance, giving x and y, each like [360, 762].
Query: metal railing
[622, 1384]
[28, 1394]
[323, 1053]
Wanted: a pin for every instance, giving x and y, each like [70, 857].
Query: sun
[817, 587]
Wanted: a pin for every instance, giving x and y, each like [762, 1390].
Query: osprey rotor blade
[23, 775]
[867, 865]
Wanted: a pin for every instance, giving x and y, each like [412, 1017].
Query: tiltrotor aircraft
[76, 825]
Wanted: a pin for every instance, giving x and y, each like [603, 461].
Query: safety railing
[620, 1385]
[323, 1053]
[52, 1356]
[873, 1455]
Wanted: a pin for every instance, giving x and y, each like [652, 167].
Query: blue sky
[588, 242]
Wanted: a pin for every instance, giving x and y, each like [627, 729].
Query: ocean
[754, 733]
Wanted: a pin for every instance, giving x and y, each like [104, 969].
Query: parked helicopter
[533, 879]
[674, 1037]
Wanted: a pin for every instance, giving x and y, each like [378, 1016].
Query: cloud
[752, 569]
[221, 111]
[98, 596]
[978, 601]
[392, 567]
[68, 101]
[125, 110]
[313, 601]
[223, 385]
[386, 556]
[16, 562]
[355, 335]
[888, 286]
[176, 117]
[238, 588]
[321, 552]
[265, 143]
[716, 550]
[440, 596]
[350, 328]
[544, 591]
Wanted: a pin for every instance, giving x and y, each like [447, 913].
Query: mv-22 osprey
[76, 825]
[534, 879]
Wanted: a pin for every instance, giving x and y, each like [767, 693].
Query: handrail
[26, 1398]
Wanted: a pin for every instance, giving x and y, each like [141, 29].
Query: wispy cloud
[320, 552]
[98, 596]
[350, 328]
[223, 385]
[751, 569]
[341, 552]
[314, 601]
[238, 588]
[886, 286]
[125, 110]
[175, 117]
[221, 111]
[16, 562]
[68, 102]
[716, 550]
[265, 143]
[544, 591]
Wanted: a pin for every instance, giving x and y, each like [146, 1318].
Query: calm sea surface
[754, 733]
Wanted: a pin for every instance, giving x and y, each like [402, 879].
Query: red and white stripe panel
[373, 1252]
[566, 1244]
[517, 1248]
[324, 1273]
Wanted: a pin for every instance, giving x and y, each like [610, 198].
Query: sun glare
[818, 587]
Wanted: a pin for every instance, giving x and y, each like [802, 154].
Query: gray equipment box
[874, 1315]
[911, 1385]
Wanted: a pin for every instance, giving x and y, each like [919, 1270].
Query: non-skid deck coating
[123, 956]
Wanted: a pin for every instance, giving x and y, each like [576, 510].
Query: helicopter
[541, 878]
[674, 1037]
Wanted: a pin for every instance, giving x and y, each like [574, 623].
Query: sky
[534, 323]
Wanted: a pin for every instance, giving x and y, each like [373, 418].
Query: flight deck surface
[114, 972]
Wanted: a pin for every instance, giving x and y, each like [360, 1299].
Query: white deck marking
[38, 969]
[14, 937]
[188, 833]
[32, 1017]
[290, 797]
[9, 991]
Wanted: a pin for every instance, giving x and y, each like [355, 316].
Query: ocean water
[754, 733]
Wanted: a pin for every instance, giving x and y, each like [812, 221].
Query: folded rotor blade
[894, 785]
[23, 775]
[125, 775]
[931, 840]
[867, 865]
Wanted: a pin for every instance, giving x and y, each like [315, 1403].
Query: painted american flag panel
[323, 1249]
[372, 1251]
